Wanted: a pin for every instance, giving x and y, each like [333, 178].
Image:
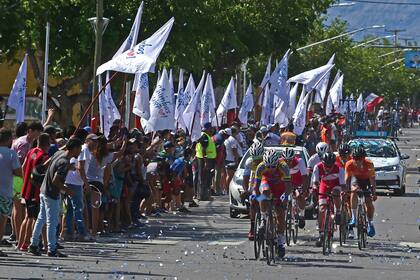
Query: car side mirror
[404, 156]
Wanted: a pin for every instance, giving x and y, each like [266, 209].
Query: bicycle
[361, 219]
[292, 220]
[329, 224]
[271, 235]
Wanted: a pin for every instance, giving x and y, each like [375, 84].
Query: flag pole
[45, 85]
[94, 100]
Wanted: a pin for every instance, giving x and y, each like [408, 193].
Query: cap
[227, 131]
[263, 129]
[270, 126]
[207, 126]
[88, 129]
[92, 137]
[49, 129]
[168, 144]
[283, 125]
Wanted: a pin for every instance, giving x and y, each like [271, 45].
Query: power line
[387, 3]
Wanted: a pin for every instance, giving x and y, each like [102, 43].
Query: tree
[216, 35]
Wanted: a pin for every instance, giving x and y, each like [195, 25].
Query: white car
[235, 187]
[389, 163]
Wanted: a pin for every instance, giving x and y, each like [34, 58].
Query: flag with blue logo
[247, 104]
[16, 98]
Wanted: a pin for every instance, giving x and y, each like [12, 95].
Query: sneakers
[352, 222]
[182, 209]
[301, 222]
[24, 248]
[56, 254]
[34, 250]
[351, 233]
[338, 218]
[251, 235]
[371, 230]
[282, 251]
[5, 243]
[193, 204]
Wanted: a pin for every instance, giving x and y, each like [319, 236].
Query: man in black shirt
[51, 188]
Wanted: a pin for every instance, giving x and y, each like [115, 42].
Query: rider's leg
[370, 209]
[281, 226]
[353, 203]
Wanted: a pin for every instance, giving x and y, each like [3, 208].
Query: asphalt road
[208, 244]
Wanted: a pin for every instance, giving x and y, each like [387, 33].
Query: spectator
[219, 139]
[34, 168]
[51, 187]
[9, 166]
[233, 155]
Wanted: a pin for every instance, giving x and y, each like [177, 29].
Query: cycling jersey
[313, 160]
[363, 172]
[328, 180]
[297, 171]
[273, 179]
[250, 168]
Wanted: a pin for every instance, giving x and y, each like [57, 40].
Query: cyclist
[299, 179]
[329, 177]
[272, 179]
[256, 152]
[360, 175]
[321, 148]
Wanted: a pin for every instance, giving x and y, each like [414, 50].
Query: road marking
[410, 244]
[226, 243]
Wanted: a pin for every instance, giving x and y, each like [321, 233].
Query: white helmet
[271, 158]
[321, 148]
[256, 150]
[288, 154]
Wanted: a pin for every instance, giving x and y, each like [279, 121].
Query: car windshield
[375, 148]
[246, 156]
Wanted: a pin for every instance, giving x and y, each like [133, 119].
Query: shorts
[276, 190]
[322, 198]
[364, 184]
[101, 188]
[5, 206]
[17, 187]
[32, 208]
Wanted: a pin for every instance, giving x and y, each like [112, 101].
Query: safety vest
[210, 151]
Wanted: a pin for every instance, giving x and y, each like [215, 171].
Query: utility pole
[99, 29]
[395, 31]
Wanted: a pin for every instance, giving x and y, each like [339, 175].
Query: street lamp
[373, 40]
[99, 24]
[340, 35]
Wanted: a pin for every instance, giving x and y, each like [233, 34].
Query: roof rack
[370, 134]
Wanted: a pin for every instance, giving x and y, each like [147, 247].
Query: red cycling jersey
[327, 180]
[297, 171]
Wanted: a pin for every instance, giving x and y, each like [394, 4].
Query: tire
[289, 225]
[257, 238]
[296, 224]
[233, 213]
[326, 232]
[360, 228]
[270, 235]
[400, 192]
[343, 226]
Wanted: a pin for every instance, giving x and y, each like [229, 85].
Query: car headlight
[389, 168]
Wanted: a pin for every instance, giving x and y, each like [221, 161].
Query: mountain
[401, 14]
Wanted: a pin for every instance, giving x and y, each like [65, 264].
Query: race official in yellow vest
[205, 151]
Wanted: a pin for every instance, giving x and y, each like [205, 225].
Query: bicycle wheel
[360, 234]
[257, 238]
[270, 251]
[325, 241]
[343, 225]
[289, 224]
[296, 223]
[364, 235]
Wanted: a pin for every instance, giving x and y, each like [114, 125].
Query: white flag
[278, 79]
[16, 98]
[280, 115]
[108, 112]
[312, 78]
[359, 106]
[266, 107]
[247, 105]
[352, 104]
[141, 106]
[142, 58]
[301, 98]
[321, 88]
[292, 101]
[179, 104]
[171, 83]
[208, 103]
[299, 120]
[267, 74]
[336, 93]
[162, 107]
[228, 101]
[131, 40]
[192, 111]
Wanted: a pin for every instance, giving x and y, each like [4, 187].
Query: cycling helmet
[328, 158]
[271, 158]
[344, 149]
[256, 150]
[288, 154]
[321, 148]
[359, 152]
